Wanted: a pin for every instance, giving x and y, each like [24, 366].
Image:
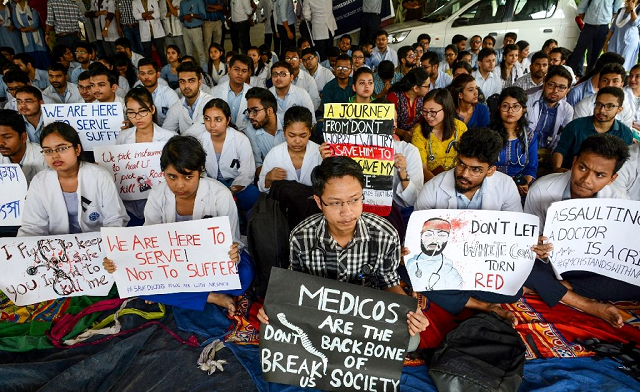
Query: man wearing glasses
[548, 113]
[342, 242]
[431, 63]
[474, 48]
[265, 127]
[163, 95]
[407, 60]
[321, 75]
[607, 106]
[473, 184]
[288, 95]
[14, 78]
[83, 57]
[339, 90]
[302, 79]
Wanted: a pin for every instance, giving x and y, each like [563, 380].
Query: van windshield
[445, 11]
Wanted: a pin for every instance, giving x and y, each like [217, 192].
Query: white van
[535, 21]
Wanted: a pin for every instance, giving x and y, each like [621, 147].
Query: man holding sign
[345, 244]
[592, 173]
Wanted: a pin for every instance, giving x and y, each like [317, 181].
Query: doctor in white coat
[150, 25]
[185, 116]
[473, 183]
[15, 146]
[229, 155]
[629, 175]
[295, 159]
[72, 196]
[323, 24]
[234, 90]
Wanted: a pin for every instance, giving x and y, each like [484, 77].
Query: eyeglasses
[476, 42]
[505, 107]
[291, 58]
[411, 56]
[27, 101]
[559, 87]
[142, 113]
[474, 170]
[252, 112]
[55, 150]
[425, 86]
[339, 204]
[343, 69]
[282, 74]
[608, 107]
[83, 88]
[81, 52]
[12, 89]
[308, 58]
[358, 57]
[430, 113]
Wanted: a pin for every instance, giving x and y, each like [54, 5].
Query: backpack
[268, 240]
[484, 353]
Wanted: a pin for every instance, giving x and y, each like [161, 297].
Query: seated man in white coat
[60, 89]
[629, 174]
[234, 90]
[265, 127]
[301, 78]
[473, 184]
[612, 75]
[187, 112]
[163, 95]
[15, 146]
[593, 171]
[285, 92]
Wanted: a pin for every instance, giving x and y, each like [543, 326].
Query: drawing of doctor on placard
[431, 269]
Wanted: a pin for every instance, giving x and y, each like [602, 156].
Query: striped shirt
[371, 258]
[64, 15]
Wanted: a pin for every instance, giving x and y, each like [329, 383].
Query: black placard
[332, 335]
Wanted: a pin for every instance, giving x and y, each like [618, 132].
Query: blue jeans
[133, 34]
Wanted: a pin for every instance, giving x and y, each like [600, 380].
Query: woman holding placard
[294, 159]
[72, 196]
[519, 157]
[229, 154]
[142, 114]
[437, 133]
[188, 195]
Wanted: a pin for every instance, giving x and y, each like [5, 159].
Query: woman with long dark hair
[464, 91]
[509, 69]
[437, 132]
[260, 74]
[523, 56]
[407, 95]
[519, 157]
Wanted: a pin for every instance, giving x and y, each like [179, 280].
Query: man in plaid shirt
[342, 242]
[63, 17]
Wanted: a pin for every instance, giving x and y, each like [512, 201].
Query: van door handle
[494, 34]
[547, 31]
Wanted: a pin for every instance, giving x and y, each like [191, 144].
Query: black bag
[268, 240]
[484, 353]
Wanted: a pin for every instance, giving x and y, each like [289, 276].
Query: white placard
[36, 269]
[13, 192]
[595, 235]
[173, 257]
[98, 124]
[135, 167]
[470, 250]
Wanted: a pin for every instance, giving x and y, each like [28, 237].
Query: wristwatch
[404, 179]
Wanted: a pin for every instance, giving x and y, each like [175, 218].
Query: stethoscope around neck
[452, 143]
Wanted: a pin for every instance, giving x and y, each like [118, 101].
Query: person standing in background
[370, 20]
[172, 27]
[323, 24]
[241, 14]
[128, 25]
[63, 17]
[148, 14]
[212, 25]
[192, 13]
[286, 24]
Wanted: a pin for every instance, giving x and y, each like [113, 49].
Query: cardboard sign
[98, 124]
[364, 132]
[135, 167]
[470, 250]
[349, 12]
[36, 269]
[173, 257]
[595, 235]
[13, 192]
[332, 335]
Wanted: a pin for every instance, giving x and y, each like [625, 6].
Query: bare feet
[223, 300]
[607, 312]
[492, 308]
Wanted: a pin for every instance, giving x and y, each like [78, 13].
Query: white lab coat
[500, 193]
[100, 21]
[221, 91]
[73, 94]
[212, 200]
[32, 162]
[236, 158]
[320, 14]
[564, 116]
[407, 197]
[146, 26]
[629, 174]
[279, 157]
[585, 108]
[178, 119]
[306, 82]
[128, 136]
[550, 188]
[172, 24]
[99, 204]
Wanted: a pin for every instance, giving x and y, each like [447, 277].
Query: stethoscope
[526, 152]
[436, 274]
[432, 157]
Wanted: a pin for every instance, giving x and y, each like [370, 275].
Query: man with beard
[537, 71]
[187, 112]
[163, 95]
[430, 265]
[548, 113]
[83, 57]
[265, 128]
[608, 105]
[474, 48]
[474, 183]
[431, 63]
[407, 60]
[60, 89]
